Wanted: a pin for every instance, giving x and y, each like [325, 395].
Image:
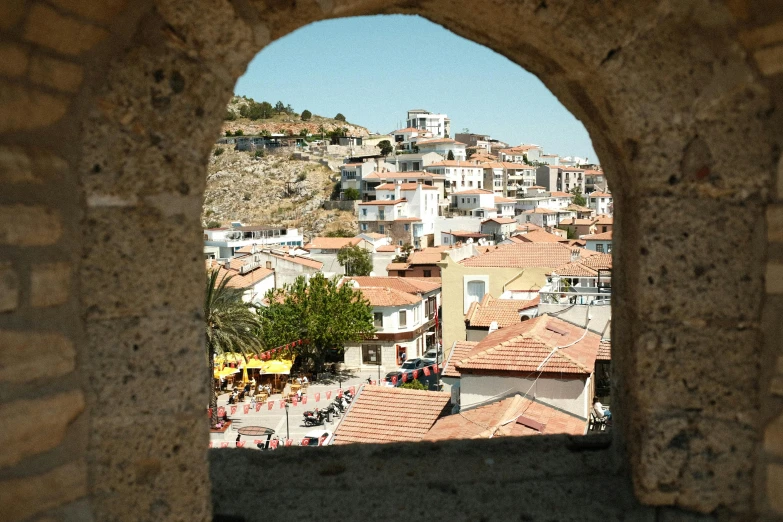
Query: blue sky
[373, 69]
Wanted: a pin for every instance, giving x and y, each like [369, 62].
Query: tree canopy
[339, 117]
[356, 260]
[352, 194]
[578, 198]
[386, 147]
[450, 155]
[319, 311]
[306, 115]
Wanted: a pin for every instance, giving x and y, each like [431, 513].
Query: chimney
[575, 254]
[227, 265]
[253, 249]
[397, 189]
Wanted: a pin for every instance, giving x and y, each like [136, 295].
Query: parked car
[408, 367]
[313, 438]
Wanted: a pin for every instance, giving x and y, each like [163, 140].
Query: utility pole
[287, 432]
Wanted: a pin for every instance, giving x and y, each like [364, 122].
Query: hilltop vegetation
[256, 118]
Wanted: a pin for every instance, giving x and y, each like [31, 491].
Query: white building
[560, 178]
[414, 162]
[599, 242]
[230, 240]
[465, 202]
[459, 175]
[352, 174]
[442, 146]
[601, 202]
[325, 250]
[544, 358]
[439, 125]
[372, 181]
[521, 153]
[404, 319]
[286, 264]
[541, 216]
[405, 212]
[246, 274]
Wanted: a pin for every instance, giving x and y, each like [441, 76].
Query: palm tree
[230, 326]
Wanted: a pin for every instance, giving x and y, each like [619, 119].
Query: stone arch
[136, 95]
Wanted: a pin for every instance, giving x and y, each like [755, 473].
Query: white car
[313, 438]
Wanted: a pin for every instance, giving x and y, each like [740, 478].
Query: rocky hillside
[272, 190]
[283, 122]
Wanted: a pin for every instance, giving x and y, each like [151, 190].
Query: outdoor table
[256, 431]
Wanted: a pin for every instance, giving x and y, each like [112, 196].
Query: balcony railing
[591, 295]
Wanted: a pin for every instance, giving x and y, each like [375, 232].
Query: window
[269, 265]
[399, 242]
[377, 319]
[381, 229]
[608, 248]
[599, 247]
[428, 273]
[475, 291]
[603, 229]
[403, 318]
[364, 212]
[381, 215]
[463, 200]
[364, 227]
[371, 354]
[407, 227]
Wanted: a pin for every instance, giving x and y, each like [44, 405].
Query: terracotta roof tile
[472, 192]
[388, 296]
[525, 255]
[500, 220]
[503, 311]
[605, 350]
[458, 352]
[599, 195]
[386, 248]
[505, 418]
[332, 243]
[524, 346]
[241, 280]
[397, 266]
[538, 236]
[374, 235]
[427, 256]
[403, 284]
[381, 414]
[604, 236]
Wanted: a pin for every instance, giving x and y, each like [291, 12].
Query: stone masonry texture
[108, 111]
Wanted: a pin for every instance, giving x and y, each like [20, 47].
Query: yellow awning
[281, 366]
[225, 372]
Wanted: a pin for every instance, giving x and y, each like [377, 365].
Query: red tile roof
[378, 296]
[509, 417]
[381, 414]
[500, 220]
[403, 284]
[332, 243]
[604, 236]
[558, 194]
[459, 350]
[386, 248]
[538, 236]
[525, 255]
[503, 311]
[604, 350]
[455, 163]
[240, 280]
[501, 199]
[383, 202]
[524, 346]
[397, 266]
[599, 195]
[537, 210]
[472, 192]
[428, 256]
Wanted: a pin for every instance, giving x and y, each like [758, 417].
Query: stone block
[774, 278]
[776, 386]
[22, 498]
[151, 465]
[13, 60]
[15, 166]
[774, 487]
[694, 268]
[162, 356]
[683, 370]
[50, 284]
[11, 11]
[29, 355]
[39, 425]
[695, 462]
[55, 73]
[118, 270]
[773, 437]
[68, 36]
[102, 12]
[775, 223]
[27, 225]
[9, 288]
[770, 60]
[25, 108]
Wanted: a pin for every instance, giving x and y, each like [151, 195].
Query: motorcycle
[313, 418]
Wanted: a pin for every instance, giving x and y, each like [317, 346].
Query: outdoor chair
[596, 424]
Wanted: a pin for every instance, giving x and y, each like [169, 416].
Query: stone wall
[102, 376]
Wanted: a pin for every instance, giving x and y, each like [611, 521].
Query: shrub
[413, 385]
[228, 133]
[351, 194]
[259, 153]
[213, 224]
[218, 151]
[306, 115]
[230, 116]
[239, 132]
[301, 177]
[246, 197]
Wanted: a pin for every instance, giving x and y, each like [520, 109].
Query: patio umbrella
[278, 366]
[225, 372]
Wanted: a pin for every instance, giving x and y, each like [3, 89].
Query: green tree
[356, 260]
[229, 133]
[339, 117]
[230, 326]
[289, 109]
[306, 115]
[325, 314]
[386, 147]
[450, 156]
[279, 107]
[351, 194]
[230, 116]
[415, 384]
[239, 132]
[303, 133]
[405, 252]
[218, 151]
[578, 198]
